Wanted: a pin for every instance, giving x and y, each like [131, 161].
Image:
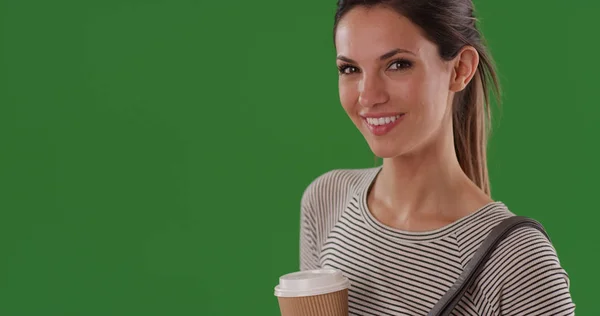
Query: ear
[464, 68]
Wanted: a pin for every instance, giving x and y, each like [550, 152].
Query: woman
[414, 78]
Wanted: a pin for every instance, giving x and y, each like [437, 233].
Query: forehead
[367, 32]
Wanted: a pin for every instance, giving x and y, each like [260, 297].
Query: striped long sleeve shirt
[394, 272]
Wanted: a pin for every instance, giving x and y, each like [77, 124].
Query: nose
[372, 91]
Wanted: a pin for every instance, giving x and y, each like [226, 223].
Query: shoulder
[524, 270]
[521, 253]
[528, 253]
[530, 274]
[523, 246]
[337, 184]
[527, 249]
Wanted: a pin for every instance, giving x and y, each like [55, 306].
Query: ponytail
[471, 120]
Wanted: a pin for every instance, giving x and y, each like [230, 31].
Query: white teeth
[382, 120]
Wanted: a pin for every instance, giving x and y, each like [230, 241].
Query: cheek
[348, 96]
[410, 95]
[429, 97]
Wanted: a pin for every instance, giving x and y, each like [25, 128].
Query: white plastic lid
[311, 282]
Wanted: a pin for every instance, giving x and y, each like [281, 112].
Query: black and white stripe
[395, 272]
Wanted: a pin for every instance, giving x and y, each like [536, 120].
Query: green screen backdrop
[153, 153]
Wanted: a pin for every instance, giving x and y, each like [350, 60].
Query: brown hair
[451, 25]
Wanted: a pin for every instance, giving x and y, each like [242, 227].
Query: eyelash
[342, 68]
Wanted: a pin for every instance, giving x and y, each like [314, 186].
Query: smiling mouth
[380, 126]
[378, 121]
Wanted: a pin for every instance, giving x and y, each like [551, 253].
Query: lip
[381, 130]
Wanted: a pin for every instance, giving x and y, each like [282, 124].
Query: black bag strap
[447, 303]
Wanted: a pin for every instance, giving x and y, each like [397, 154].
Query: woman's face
[392, 84]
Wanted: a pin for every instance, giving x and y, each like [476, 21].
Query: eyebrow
[382, 57]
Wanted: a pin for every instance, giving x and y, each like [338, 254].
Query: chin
[385, 150]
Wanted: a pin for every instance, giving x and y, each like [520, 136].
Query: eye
[400, 64]
[346, 69]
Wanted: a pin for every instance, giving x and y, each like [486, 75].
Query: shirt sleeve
[309, 258]
[535, 283]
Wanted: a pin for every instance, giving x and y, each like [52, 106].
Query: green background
[153, 153]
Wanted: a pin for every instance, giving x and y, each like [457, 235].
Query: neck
[427, 183]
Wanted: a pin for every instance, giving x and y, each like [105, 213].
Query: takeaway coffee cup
[322, 292]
